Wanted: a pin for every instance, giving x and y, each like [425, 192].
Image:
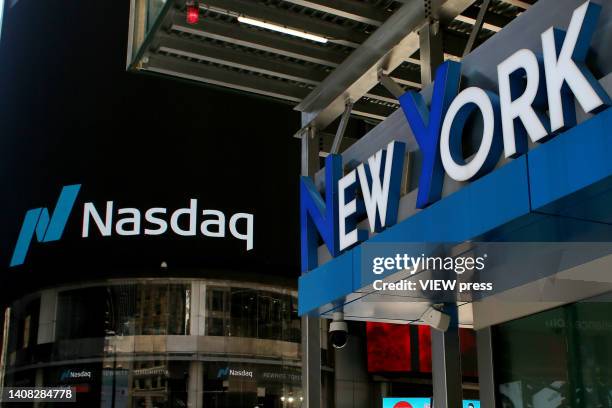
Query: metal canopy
[364, 37]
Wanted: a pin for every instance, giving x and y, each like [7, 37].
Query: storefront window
[123, 310]
[559, 358]
[240, 312]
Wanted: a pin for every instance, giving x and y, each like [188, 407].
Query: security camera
[338, 331]
[436, 319]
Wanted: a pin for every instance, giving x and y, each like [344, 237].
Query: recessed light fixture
[281, 29]
[193, 11]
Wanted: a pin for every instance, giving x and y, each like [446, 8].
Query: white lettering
[246, 236]
[219, 222]
[450, 139]
[377, 198]
[521, 108]
[105, 228]
[150, 217]
[191, 212]
[134, 220]
[562, 69]
[345, 210]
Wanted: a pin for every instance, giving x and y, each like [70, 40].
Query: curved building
[160, 343]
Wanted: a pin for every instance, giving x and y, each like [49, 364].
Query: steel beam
[431, 51]
[384, 50]
[518, 3]
[477, 27]
[196, 71]
[208, 51]
[237, 34]
[224, 77]
[407, 76]
[498, 21]
[390, 85]
[350, 9]
[202, 51]
[342, 128]
[335, 33]
[371, 110]
[472, 21]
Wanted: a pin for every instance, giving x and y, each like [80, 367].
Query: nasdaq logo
[37, 223]
[223, 372]
[109, 220]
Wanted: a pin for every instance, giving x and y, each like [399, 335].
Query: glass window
[81, 313]
[244, 312]
[560, 358]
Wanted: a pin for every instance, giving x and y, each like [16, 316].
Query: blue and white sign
[529, 86]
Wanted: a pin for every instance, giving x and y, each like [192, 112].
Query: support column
[486, 379]
[47, 317]
[197, 309]
[195, 395]
[4, 348]
[311, 361]
[311, 326]
[431, 44]
[446, 363]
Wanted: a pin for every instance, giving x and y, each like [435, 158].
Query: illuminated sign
[529, 85]
[407, 403]
[421, 403]
[108, 220]
[75, 375]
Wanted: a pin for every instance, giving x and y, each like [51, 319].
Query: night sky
[70, 113]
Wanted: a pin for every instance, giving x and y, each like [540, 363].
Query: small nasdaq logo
[406, 403]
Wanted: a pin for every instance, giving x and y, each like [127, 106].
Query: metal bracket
[390, 85]
[348, 108]
[477, 26]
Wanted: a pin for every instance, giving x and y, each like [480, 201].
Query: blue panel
[325, 284]
[570, 175]
[577, 161]
[476, 209]
[480, 207]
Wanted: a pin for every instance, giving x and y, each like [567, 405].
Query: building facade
[160, 343]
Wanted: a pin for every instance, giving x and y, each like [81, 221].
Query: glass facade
[160, 343]
[558, 358]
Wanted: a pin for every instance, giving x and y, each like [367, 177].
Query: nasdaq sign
[128, 221]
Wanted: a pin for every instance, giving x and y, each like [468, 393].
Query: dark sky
[70, 113]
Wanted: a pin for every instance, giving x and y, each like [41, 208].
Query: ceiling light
[193, 12]
[281, 29]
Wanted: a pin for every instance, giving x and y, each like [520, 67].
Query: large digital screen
[471, 404]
